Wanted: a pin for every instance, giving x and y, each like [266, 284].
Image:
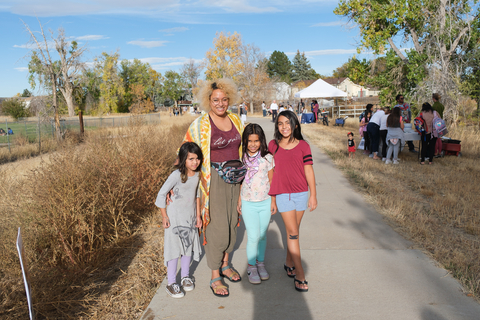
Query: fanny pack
[231, 171]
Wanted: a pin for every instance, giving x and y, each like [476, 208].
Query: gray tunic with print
[181, 238]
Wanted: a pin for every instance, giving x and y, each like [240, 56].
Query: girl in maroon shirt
[292, 177]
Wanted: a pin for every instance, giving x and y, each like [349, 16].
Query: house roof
[334, 81]
[305, 83]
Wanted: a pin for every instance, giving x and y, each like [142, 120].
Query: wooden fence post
[80, 118]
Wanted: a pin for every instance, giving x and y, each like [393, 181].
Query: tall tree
[471, 76]
[154, 87]
[26, 93]
[133, 73]
[141, 104]
[253, 76]
[45, 69]
[439, 31]
[301, 68]
[190, 73]
[279, 66]
[111, 85]
[67, 71]
[356, 70]
[71, 68]
[173, 86]
[223, 61]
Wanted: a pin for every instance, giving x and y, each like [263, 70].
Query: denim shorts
[292, 201]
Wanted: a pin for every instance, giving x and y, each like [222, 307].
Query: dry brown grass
[91, 231]
[21, 149]
[435, 206]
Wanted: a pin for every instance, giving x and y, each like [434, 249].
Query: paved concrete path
[356, 265]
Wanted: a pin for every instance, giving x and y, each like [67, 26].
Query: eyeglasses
[218, 101]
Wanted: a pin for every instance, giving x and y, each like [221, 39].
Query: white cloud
[330, 52]
[91, 37]
[166, 65]
[159, 63]
[22, 69]
[32, 45]
[158, 60]
[52, 8]
[147, 44]
[325, 52]
[328, 24]
[176, 29]
[239, 6]
[163, 8]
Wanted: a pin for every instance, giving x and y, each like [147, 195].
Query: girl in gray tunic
[182, 218]
[395, 135]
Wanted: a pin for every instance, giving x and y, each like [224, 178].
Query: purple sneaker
[252, 273]
[262, 271]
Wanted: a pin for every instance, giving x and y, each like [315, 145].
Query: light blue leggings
[256, 216]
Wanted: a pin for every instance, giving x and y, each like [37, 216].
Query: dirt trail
[20, 168]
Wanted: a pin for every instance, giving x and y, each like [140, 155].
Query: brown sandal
[214, 290]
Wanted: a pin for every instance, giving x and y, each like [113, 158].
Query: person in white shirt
[274, 110]
[264, 109]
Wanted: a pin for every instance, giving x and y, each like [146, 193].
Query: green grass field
[28, 130]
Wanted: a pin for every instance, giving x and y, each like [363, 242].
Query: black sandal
[291, 269]
[300, 282]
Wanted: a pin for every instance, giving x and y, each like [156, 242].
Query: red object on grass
[451, 149]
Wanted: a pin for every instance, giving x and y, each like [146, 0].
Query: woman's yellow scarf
[200, 132]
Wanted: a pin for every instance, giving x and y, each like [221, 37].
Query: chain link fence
[22, 132]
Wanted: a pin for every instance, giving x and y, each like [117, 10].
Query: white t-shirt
[274, 106]
[263, 106]
[383, 122]
[377, 116]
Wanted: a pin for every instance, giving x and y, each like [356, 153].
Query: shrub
[76, 212]
[15, 108]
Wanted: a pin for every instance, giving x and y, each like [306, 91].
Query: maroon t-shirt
[224, 144]
[289, 172]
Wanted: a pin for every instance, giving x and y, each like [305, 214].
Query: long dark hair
[426, 107]
[188, 147]
[393, 120]
[367, 118]
[294, 126]
[253, 128]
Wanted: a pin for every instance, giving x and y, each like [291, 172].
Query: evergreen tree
[302, 70]
[26, 93]
[279, 66]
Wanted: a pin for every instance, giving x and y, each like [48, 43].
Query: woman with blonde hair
[218, 132]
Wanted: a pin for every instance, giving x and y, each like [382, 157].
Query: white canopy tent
[320, 89]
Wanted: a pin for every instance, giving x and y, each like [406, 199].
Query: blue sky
[166, 33]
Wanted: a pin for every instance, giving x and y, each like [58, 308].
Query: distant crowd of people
[274, 109]
[387, 125]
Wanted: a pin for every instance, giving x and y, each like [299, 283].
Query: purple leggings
[172, 268]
